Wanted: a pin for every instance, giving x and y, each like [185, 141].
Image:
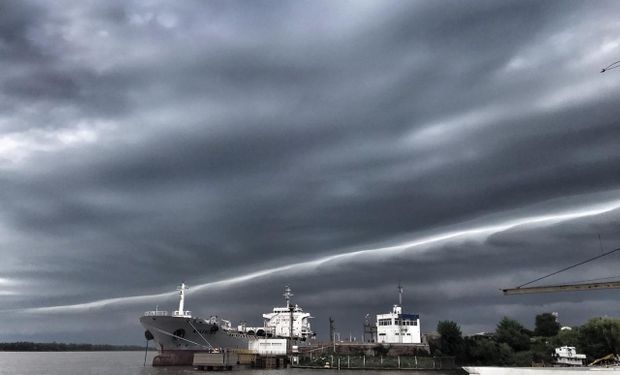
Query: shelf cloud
[307, 267]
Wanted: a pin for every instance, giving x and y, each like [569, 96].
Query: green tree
[511, 332]
[567, 337]
[546, 325]
[483, 351]
[522, 358]
[599, 337]
[451, 341]
[542, 349]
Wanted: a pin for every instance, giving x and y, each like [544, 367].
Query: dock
[235, 359]
[215, 361]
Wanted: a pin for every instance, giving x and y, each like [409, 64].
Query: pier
[240, 358]
[371, 356]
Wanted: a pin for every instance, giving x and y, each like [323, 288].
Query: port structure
[569, 287]
[562, 288]
[370, 330]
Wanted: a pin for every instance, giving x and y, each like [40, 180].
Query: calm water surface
[131, 363]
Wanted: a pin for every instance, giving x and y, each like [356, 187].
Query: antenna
[287, 295]
[400, 294]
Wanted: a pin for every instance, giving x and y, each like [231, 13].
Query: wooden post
[381, 359]
[415, 358]
[349, 361]
[364, 362]
[338, 362]
[398, 361]
[146, 350]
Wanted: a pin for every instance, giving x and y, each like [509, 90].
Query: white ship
[568, 356]
[178, 334]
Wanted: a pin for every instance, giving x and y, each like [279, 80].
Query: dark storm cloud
[142, 144]
[16, 19]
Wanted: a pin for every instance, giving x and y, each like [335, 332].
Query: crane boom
[562, 288]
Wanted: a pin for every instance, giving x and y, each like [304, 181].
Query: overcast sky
[337, 147]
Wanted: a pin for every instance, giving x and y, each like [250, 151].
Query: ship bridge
[397, 327]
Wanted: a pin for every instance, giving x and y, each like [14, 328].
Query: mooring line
[178, 337]
[199, 334]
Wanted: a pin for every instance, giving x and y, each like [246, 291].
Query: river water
[131, 363]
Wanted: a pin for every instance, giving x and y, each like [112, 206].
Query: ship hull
[191, 334]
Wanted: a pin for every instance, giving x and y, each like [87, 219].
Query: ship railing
[156, 313]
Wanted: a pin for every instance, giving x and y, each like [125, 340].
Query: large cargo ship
[178, 334]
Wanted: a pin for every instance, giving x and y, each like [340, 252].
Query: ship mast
[182, 288]
[399, 316]
[287, 295]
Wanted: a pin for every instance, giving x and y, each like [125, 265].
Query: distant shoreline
[24, 346]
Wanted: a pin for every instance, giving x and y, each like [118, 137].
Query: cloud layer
[143, 143]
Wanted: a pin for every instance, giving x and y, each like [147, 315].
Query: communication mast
[287, 295]
[399, 319]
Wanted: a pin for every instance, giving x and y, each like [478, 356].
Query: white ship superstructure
[397, 327]
[289, 321]
[568, 356]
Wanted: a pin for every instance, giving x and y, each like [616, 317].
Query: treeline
[514, 345]
[60, 347]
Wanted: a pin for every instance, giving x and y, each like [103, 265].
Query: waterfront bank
[131, 363]
[363, 362]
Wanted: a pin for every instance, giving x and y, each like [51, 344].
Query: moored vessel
[178, 335]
